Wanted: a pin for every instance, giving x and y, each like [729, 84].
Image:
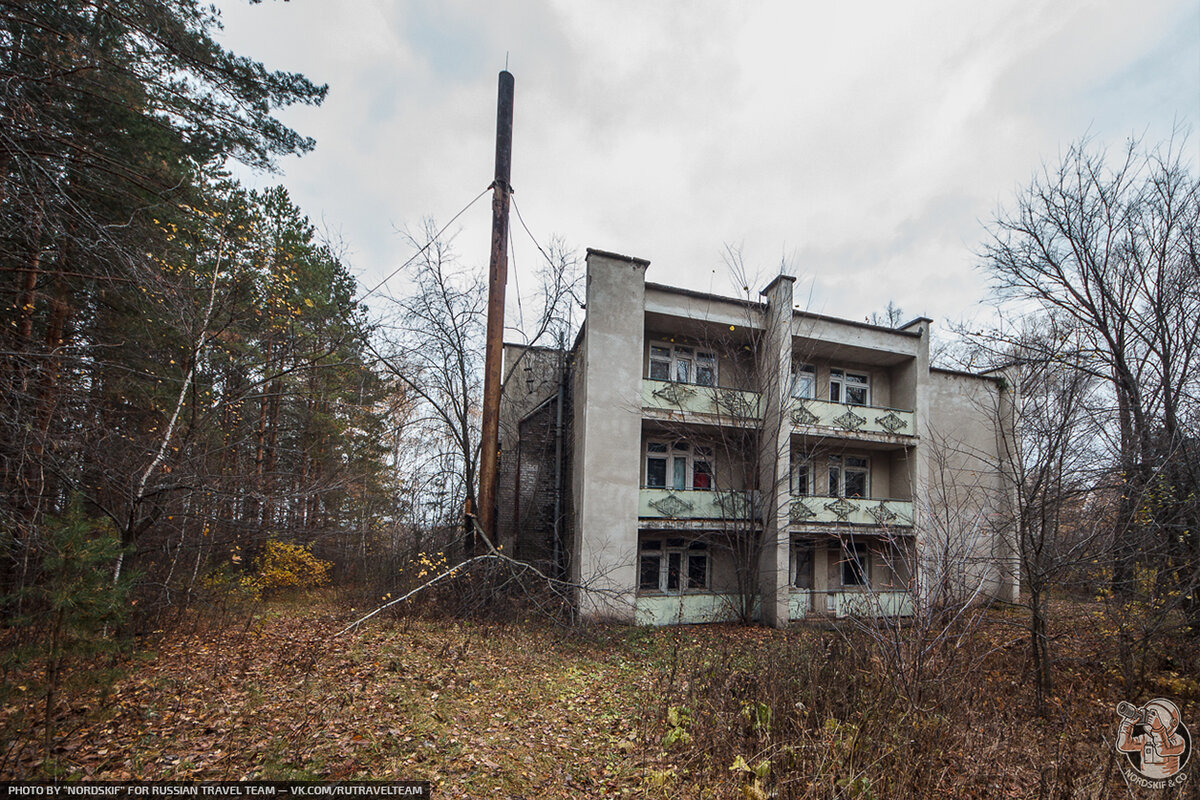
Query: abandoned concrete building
[693, 458]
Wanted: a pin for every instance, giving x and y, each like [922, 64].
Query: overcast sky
[865, 144]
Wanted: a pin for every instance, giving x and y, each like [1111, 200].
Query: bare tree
[891, 317]
[1053, 469]
[1109, 244]
[431, 344]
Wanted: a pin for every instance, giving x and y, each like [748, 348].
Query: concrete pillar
[1008, 548]
[774, 456]
[608, 431]
[821, 577]
[920, 456]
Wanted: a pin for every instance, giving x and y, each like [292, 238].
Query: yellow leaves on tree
[285, 566]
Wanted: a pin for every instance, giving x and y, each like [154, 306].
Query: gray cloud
[866, 140]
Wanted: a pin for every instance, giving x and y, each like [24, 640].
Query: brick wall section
[534, 522]
[525, 498]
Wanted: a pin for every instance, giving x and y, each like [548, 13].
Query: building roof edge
[641, 262]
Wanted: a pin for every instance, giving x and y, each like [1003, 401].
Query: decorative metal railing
[696, 504]
[807, 509]
[734, 405]
[809, 413]
[738, 406]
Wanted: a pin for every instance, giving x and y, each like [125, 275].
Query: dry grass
[526, 710]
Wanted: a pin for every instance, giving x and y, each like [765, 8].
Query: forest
[217, 450]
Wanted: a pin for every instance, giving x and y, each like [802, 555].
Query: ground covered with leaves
[525, 710]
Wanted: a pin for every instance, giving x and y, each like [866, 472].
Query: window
[673, 362]
[804, 381]
[683, 365]
[856, 564]
[848, 476]
[672, 565]
[702, 475]
[706, 369]
[855, 477]
[656, 465]
[851, 388]
[679, 466]
[660, 363]
[802, 565]
[801, 477]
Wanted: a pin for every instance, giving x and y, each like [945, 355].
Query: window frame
[803, 368]
[687, 552]
[679, 451]
[856, 558]
[802, 466]
[696, 359]
[806, 547]
[840, 463]
[839, 379]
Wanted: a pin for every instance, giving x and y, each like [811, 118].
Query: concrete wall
[774, 460]
[608, 433]
[965, 502]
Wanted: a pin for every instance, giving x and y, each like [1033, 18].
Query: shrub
[285, 566]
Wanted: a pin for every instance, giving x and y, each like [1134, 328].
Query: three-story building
[715, 458]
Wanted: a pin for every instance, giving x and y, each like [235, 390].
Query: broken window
[656, 465]
[851, 388]
[682, 364]
[804, 381]
[801, 478]
[855, 564]
[802, 565]
[702, 474]
[672, 565]
[706, 369]
[660, 363]
[849, 476]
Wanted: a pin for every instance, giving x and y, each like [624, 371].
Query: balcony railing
[859, 603]
[804, 509]
[686, 608]
[696, 504]
[810, 413]
[731, 404]
[739, 405]
[696, 607]
[807, 509]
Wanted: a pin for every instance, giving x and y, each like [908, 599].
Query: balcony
[870, 603]
[695, 607]
[732, 406]
[809, 509]
[688, 608]
[695, 504]
[877, 422]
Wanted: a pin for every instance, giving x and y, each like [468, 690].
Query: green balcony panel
[731, 405]
[686, 608]
[695, 504]
[873, 604]
[822, 414]
[809, 509]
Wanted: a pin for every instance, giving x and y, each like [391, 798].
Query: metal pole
[489, 448]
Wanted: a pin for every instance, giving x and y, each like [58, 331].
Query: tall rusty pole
[489, 448]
